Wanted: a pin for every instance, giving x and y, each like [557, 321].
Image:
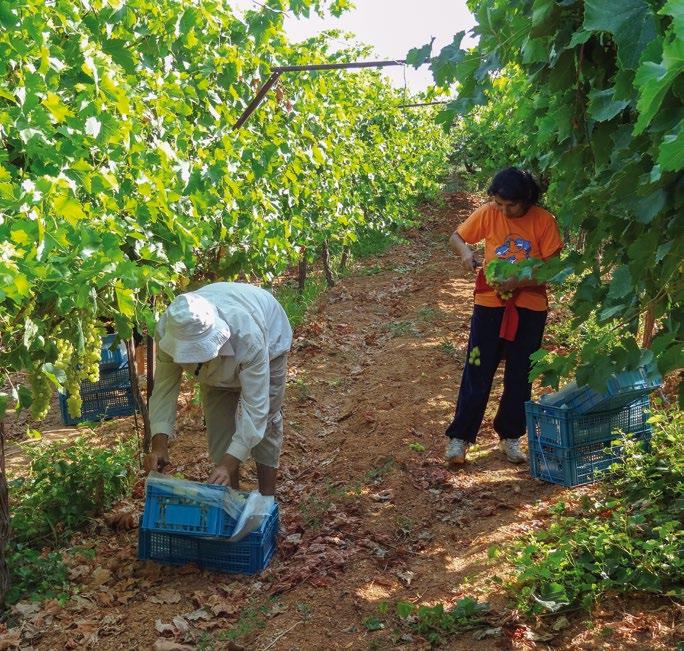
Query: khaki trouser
[220, 405]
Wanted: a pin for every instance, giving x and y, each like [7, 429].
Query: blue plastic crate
[564, 427]
[574, 466]
[111, 396]
[168, 512]
[112, 358]
[621, 389]
[250, 555]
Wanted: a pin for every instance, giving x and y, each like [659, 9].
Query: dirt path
[370, 515]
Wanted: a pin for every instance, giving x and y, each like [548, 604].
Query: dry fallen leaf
[100, 576]
[164, 628]
[121, 521]
[166, 596]
[168, 645]
[221, 606]
[26, 609]
[10, 640]
[200, 613]
[383, 496]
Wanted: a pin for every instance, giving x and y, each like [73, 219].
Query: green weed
[65, 487]
[371, 271]
[627, 538]
[302, 388]
[252, 618]
[35, 574]
[447, 348]
[401, 329]
[429, 313]
[296, 303]
[435, 623]
[377, 474]
[373, 242]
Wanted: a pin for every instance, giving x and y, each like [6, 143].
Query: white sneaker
[456, 452]
[511, 447]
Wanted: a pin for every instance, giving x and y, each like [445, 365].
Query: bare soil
[370, 515]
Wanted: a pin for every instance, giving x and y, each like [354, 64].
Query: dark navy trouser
[476, 383]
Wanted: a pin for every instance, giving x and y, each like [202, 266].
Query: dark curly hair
[514, 184]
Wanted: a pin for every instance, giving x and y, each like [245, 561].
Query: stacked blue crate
[574, 434]
[112, 394]
[178, 528]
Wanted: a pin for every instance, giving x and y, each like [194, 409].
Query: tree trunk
[4, 519]
[302, 272]
[325, 257]
[649, 323]
[345, 258]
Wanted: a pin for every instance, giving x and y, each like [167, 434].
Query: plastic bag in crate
[111, 358]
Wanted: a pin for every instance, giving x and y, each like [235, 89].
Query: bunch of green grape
[474, 357]
[79, 365]
[41, 391]
[498, 271]
[92, 352]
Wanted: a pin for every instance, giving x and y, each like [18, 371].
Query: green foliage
[296, 303]
[122, 180]
[589, 94]
[492, 136]
[35, 574]
[435, 623]
[628, 538]
[374, 242]
[66, 486]
[567, 338]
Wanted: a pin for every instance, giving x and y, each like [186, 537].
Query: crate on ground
[112, 357]
[174, 507]
[248, 556]
[563, 427]
[579, 464]
[109, 397]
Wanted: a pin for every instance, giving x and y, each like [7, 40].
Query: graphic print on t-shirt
[514, 248]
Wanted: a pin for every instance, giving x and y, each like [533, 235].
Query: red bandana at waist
[509, 323]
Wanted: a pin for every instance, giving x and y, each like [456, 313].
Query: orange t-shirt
[534, 235]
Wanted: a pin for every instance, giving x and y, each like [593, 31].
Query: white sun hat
[193, 330]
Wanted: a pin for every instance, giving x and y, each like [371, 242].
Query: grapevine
[588, 95]
[118, 195]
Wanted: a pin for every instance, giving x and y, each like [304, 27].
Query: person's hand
[469, 261]
[508, 285]
[225, 469]
[158, 456]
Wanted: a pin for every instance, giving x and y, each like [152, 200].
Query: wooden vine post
[302, 271]
[4, 519]
[649, 324]
[345, 258]
[137, 395]
[325, 257]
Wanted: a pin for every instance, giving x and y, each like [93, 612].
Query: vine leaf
[631, 22]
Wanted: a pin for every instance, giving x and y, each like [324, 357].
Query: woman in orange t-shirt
[514, 228]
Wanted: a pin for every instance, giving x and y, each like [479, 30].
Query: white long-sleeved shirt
[259, 332]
